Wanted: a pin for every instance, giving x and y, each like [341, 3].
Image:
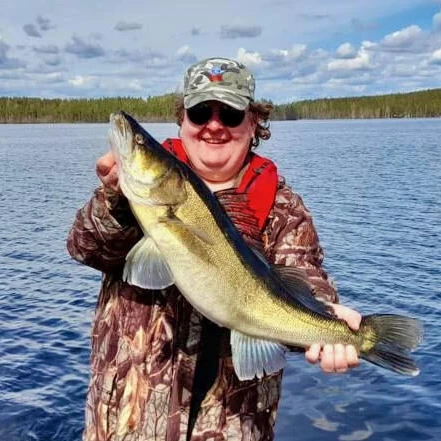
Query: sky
[297, 49]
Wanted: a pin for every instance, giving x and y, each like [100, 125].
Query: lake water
[374, 188]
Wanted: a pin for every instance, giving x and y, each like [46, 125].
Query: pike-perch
[191, 242]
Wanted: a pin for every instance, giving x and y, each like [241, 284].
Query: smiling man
[161, 371]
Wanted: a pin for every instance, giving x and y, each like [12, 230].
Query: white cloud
[249, 58]
[435, 58]
[292, 60]
[296, 52]
[403, 38]
[346, 50]
[81, 81]
[360, 62]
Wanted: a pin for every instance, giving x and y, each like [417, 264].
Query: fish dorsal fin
[145, 267]
[254, 357]
[300, 290]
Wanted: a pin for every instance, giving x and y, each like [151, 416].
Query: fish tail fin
[395, 337]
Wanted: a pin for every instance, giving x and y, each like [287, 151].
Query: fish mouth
[120, 125]
[120, 136]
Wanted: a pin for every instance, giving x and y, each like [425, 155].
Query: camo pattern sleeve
[291, 239]
[103, 232]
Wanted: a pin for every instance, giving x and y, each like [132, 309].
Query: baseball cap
[219, 79]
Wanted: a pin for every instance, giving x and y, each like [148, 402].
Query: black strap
[206, 371]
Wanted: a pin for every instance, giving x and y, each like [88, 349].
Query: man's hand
[107, 171]
[338, 357]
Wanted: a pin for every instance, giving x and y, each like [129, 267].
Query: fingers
[352, 356]
[107, 171]
[350, 316]
[105, 163]
[313, 353]
[333, 358]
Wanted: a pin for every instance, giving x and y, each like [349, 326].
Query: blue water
[374, 188]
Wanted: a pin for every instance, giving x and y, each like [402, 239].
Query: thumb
[104, 164]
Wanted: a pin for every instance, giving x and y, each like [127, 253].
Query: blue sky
[297, 49]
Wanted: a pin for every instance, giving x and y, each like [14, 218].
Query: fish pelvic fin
[396, 336]
[254, 357]
[145, 266]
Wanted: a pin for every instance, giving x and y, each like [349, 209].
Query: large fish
[191, 242]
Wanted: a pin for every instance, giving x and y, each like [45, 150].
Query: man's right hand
[107, 171]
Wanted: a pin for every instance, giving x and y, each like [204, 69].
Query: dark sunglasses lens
[202, 113]
[231, 117]
[199, 114]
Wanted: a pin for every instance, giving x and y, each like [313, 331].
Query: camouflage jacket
[157, 366]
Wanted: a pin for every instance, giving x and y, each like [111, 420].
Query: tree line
[419, 104]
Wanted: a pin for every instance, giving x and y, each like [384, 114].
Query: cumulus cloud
[402, 39]
[240, 31]
[195, 31]
[31, 30]
[83, 49]
[435, 58]
[360, 62]
[123, 26]
[346, 50]
[249, 58]
[296, 52]
[82, 81]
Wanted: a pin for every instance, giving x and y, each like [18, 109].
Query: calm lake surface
[374, 189]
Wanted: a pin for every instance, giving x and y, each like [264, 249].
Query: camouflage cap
[219, 79]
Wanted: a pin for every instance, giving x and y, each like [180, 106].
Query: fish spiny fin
[254, 357]
[145, 267]
[299, 289]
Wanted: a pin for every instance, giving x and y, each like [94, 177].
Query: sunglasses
[203, 112]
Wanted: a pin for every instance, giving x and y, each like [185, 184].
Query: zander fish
[190, 241]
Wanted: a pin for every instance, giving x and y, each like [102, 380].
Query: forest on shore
[420, 104]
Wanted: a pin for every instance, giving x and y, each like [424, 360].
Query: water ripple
[373, 188]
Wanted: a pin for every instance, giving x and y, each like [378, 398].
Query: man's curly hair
[260, 111]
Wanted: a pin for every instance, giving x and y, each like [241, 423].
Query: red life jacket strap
[174, 145]
[259, 182]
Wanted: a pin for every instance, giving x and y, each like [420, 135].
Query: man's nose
[214, 123]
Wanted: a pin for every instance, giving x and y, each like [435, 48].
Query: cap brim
[238, 102]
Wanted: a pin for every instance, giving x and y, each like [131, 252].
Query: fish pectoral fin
[201, 235]
[253, 357]
[146, 267]
[300, 290]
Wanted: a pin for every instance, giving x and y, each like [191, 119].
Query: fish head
[147, 172]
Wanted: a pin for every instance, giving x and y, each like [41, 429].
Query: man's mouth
[215, 141]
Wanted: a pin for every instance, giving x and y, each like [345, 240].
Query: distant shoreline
[161, 109]
[174, 122]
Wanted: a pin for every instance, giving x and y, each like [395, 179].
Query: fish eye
[139, 139]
